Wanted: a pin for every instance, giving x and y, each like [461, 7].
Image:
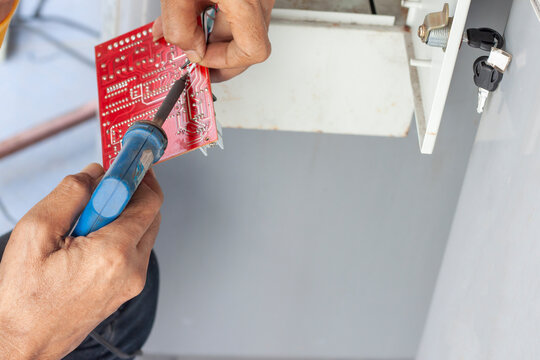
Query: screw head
[421, 31]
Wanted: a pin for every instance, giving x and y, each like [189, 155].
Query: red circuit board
[134, 74]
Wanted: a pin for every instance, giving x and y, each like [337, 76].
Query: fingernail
[94, 170]
[193, 56]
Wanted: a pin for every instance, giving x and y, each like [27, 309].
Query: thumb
[50, 220]
[157, 29]
[178, 24]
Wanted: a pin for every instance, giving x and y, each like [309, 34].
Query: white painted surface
[487, 301]
[324, 78]
[434, 81]
[331, 16]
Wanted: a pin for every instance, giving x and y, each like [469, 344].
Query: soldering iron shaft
[170, 100]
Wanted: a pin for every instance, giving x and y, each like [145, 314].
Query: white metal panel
[324, 77]
[434, 79]
[332, 16]
[486, 302]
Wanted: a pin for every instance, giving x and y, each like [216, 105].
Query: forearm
[23, 339]
[11, 346]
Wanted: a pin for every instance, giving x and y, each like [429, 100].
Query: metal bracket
[436, 28]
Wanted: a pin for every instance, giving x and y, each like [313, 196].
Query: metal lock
[436, 28]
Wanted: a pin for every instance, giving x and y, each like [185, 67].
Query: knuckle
[42, 225]
[265, 52]
[115, 259]
[80, 183]
[35, 224]
[259, 53]
[135, 283]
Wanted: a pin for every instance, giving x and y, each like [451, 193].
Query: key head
[484, 38]
[485, 76]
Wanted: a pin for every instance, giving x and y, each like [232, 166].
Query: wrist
[8, 349]
[14, 345]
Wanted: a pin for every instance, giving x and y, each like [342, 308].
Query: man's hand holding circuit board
[63, 285]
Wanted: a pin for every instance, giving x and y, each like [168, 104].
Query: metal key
[487, 78]
[499, 59]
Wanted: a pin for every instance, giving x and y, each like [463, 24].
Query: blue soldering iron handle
[143, 144]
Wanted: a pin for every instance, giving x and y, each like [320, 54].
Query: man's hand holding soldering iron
[56, 289]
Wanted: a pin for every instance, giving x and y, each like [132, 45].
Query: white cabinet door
[323, 77]
[431, 80]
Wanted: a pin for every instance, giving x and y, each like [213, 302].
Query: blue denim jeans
[128, 328]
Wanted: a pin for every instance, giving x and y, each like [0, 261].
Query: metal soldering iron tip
[186, 64]
[170, 100]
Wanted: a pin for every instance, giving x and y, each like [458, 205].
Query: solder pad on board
[134, 74]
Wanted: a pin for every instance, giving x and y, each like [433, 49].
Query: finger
[50, 220]
[127, 230]
[149, 238]
[179, 25]
[220, 75]
[222, 29]
[267, 6]
[250, 44]
[157, 29]
[151, 180]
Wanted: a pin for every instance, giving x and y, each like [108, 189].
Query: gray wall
[486, 305]
[310, 245]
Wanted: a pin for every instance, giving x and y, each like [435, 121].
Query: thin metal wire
[66, 22]
[59, 44]
[116, 351]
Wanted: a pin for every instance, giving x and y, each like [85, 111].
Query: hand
[55, 289]
[5, 8]
[239, 38]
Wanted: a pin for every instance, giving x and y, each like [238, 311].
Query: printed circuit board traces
[134, 74]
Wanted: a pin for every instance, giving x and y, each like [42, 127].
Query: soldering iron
[142, 145]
